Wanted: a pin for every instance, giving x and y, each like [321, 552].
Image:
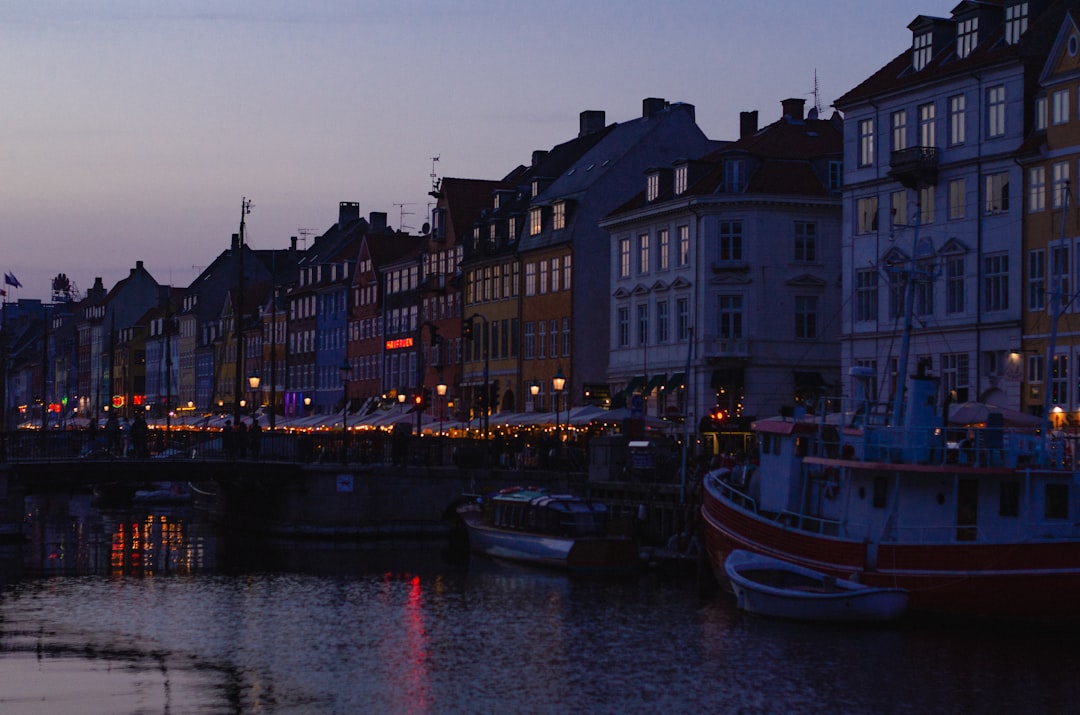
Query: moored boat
[771, 587]
[535, 526]
[975, 520]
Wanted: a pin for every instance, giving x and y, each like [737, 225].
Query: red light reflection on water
[409, 645]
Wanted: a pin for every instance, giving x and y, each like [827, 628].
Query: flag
[3, 293]
[11, 280]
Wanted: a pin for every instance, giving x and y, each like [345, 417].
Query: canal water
[149, 611]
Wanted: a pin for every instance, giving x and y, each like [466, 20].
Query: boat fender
[832, 483]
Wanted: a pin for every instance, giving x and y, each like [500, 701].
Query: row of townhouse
[958, 158]
[640, 262]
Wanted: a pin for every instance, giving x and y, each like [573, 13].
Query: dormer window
[652, 187]
[535, 221]
[734, 175]
[680, 179]
[558, 216]
[921, 50]
[1016, 22]
[967, 36]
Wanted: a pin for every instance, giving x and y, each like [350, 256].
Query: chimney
[138, 265]
[292, 244]
[348, 211]
[793, 109]
[377, 221]
[652, 106]
[747, 124]
[538, 156]
[591, 121]
[235, 241]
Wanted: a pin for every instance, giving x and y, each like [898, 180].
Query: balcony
[725, 348]
[915, 167]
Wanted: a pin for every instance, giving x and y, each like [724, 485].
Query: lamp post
[307, 405]
[253, 383]
[440, 390]
[346, 372]
[534, 390]
[557, 384]
[401, 400]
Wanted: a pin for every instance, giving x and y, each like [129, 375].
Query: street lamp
[534, 390]
[307, 405]
[557, 384]
[253, 383]
[440, 390]
[346, 372]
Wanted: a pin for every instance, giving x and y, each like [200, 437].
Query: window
[1059, 272]
[995, 111]
[536, 221]
[1036, 280]
[555, 274]
[1016, 20]
[866, 210]
[926, 125]
[1036, 369]
[926, 204]
[662, 322]
[836, 175]
[542, 272]
[957, 117]
[924, 293]
[652, 187]
[624, 261]
[898, 208]
[957, 198]
[1036, 189]
[530, 279]
[866, 295]
[955, 373]
[1059, 107]
[997, 193]
[1059, 383]
[921, 50]
[553, 335]
[566, 337]
[663, 248]
[805, 241]
[899, 130]
[954, 284]
[729, 317]
[1041, 113]
[541, 339]
[967, 36]
[996, 282]
[558, 216]
[897, 285]
[681, 173]
[866, 142]
[624, 326]
[730, 241]
[643, 324]
[684, 246]
[567, 263]
[643, 253]
[682, 319]
[806, 308]
[1059, 187]
[734, 175]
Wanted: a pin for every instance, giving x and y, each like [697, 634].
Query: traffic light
[418, 400]
[467, 329]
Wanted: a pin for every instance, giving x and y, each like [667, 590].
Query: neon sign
[399, 343]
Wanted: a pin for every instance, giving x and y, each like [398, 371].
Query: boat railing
[811, 524]
[741, 499]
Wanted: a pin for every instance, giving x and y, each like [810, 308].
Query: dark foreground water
[165, 620]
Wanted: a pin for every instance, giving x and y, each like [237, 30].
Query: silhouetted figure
[112, 434]
[254, 438]
[139, 430]
[228, 440]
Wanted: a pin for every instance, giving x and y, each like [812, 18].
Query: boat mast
[909, 308]
[1058, 304]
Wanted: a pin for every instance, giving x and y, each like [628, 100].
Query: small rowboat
[771, 587]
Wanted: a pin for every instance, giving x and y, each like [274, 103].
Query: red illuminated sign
[399, 343]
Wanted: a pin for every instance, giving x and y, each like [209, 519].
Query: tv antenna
[303, 234]
[817, 109]
[402, 214]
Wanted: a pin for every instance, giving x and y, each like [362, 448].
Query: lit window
[899, 130]
[926, 125]
[1059, 189]
[624, 258]
[957, 118]
[663, 248]
[967, 36]
[1016, 21]
[922, 48]
[1036, 189]
[995, 111]
[1041, 113]
[652, 187]
[535, 221]
[866, 210]
[957, 198]
[1059, 107]
[866, 142]
[684, 246]
[558, 216]
[680, 179]
[643, 253]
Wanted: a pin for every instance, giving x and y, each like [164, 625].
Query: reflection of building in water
[66, 534]
[157, 543]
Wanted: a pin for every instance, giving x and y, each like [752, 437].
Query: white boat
[771, 587]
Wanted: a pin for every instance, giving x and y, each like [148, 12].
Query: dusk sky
[130, 130]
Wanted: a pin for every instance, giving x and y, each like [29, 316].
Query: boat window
[1057, 501]
[881, 490]
[1009, 499]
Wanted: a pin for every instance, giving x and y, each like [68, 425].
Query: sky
[132, 130]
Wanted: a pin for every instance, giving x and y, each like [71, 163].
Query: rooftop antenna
[403, 213]
[434, 177]
[304, 233]
[818, 109]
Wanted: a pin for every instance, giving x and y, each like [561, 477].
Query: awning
[677, 382]
[656, 381]
[634, 384]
